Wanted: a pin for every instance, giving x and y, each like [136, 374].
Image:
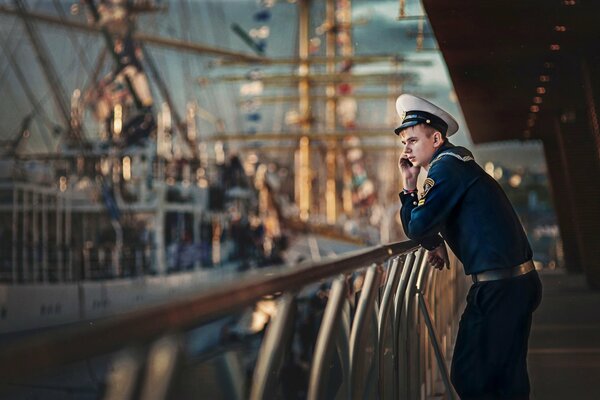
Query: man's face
[419, 144]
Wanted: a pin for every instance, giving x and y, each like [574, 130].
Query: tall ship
[140, 162]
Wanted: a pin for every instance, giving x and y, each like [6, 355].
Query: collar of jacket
[445, 147]
[449, 149]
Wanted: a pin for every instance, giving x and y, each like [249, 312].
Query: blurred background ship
[139, 162]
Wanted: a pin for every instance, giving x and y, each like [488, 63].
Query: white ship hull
[34, 306]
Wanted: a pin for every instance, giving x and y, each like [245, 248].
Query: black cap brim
[405, 125]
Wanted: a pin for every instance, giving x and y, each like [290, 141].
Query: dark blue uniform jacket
[469, 209]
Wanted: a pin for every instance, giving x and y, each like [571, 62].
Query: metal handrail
[63, 346]
[391, 306]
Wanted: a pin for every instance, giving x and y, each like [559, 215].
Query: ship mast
[337, 28]
[303, 184]
[330, 115]
[306, 82]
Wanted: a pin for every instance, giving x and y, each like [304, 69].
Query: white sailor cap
[414, 110]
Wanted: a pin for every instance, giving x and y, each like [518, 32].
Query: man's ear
[438, 139]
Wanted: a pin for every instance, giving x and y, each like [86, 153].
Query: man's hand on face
[438, 257]
[409, 172]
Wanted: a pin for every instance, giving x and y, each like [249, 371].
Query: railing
[386, 332]
[51, 236]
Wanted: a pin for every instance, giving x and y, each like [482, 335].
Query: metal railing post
[387, 344]
[161, 366]
[414, 347]
[273, 350]
[409, 263]
[364, 341]
[431, 365]
[404, 329]
[123, 375]
[385, 354]
[325, 347]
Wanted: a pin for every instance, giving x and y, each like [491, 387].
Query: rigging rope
[37, 108]
[74, 41]
[185, 65]
[214, 102]
[9, 39]
[228, 97]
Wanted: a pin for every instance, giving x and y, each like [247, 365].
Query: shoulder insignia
[462, 158]
[427, 185]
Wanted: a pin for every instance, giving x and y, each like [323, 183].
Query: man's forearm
[409, 184]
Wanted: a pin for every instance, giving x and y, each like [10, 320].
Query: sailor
[462, 206]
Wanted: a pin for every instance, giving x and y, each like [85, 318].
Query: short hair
[429, 130]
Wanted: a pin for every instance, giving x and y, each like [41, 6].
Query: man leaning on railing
[468, 208]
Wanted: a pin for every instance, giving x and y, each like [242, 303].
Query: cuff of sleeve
[412, 197]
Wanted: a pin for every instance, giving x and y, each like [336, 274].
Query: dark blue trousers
[490, 355]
